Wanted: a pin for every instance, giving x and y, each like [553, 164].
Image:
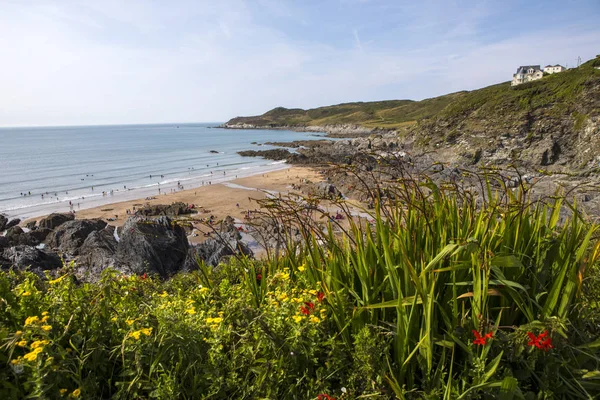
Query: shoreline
[233, 197]
[96, 200]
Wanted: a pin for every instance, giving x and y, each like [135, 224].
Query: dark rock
[69, 236]
[551, 155]
[151, 246]
[31, 225]
[23, 257]
[97, 253]
[13, 234]
[171, 210]
[214, 152]
[33, 238]
[225, 243]
[12, 223]
[55, 220]
[3, 243]
[16, 236]
[3, 221]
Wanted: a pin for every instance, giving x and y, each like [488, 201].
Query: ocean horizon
[64, 168]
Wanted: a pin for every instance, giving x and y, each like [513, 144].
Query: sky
[89, 62]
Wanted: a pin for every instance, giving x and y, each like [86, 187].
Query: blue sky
[113, 61]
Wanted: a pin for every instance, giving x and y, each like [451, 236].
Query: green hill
[556, 94]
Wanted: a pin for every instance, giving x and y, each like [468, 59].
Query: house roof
[523, 68]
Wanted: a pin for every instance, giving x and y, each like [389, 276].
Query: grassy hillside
[558, 94]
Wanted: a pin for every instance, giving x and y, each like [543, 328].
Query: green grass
[556, 95]
[386, 310]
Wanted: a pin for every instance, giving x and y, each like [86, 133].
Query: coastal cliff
[554, 121]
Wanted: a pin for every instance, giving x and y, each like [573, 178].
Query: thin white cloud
[116, 62]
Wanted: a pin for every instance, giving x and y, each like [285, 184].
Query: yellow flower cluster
[32, 320]
[32, 356]
[214, 323]
[39, 343]
[136, 334]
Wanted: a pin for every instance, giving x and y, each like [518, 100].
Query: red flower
[481, 340]
[324, 396]
[320, 296]
[540, 341]
[304, 310]
[259, 277]
[143, 277]
[309, 305]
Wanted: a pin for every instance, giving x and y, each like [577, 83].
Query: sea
[61, 169]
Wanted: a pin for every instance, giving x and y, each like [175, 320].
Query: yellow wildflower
[282, 297]
[130, 322]
[39, 343]
[114, 319]
[285, 276]
[301, 268]
[164, 294]
[76, 392]
[53, 281]
[298, 300]
[31, 320]
[313, 292]
[298, 318]
[220, 313]
[22, 343]
[45, 313]
[18, 333]
[44, 319]
[28, 293]
[15, 361]
[204, 290]
[315, 319]
[63, 391]
[190, 311]
[32, 356]
[47, 327]
[146, 331]
[136, 335]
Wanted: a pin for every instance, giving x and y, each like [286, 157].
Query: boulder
[16, 236]
[157, 246]
[55, 220]
[97, 253]
[3, 221]
[13, 222]
[69, 236]
[35, 237]
[31, 225]
[23, 257]
[170, 210]
[13, 234]
[3, 243]
[225, 243]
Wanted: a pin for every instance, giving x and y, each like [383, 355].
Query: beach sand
[219, 200]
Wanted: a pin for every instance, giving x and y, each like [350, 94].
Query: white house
[527, 73]
[553, 69]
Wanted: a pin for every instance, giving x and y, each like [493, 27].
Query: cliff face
[553, 122]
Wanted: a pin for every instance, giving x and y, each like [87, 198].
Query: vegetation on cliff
[558, 94]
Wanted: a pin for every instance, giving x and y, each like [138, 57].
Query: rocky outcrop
[69, 236]
[226, 242]
[29, 257]
[169, 210]
[151, 246]
[12, 222]
[97, 253]
[55, 220]
[3, 243]
[3, 222]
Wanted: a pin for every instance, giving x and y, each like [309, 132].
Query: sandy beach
[232, 198]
